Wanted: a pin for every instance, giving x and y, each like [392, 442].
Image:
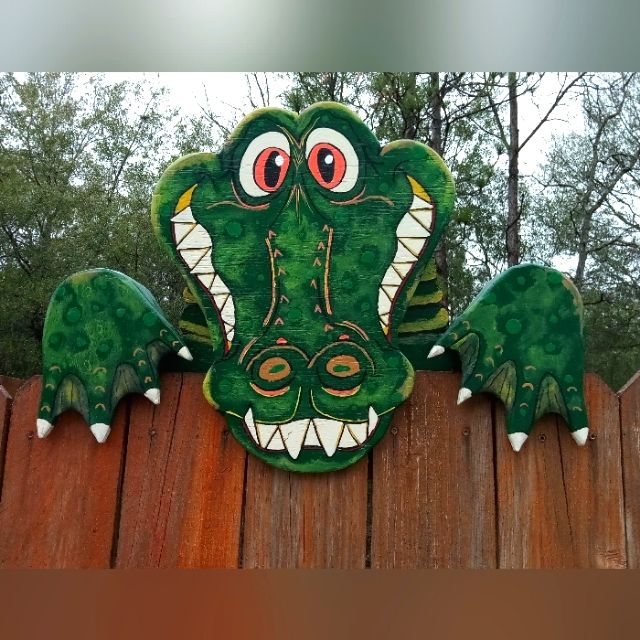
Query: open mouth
[310, 433]
[412, 235]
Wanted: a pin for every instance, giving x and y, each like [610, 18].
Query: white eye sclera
[332, 160]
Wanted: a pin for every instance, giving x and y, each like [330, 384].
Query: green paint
[288, 259]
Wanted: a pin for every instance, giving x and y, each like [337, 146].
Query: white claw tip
[101, 431]
[153, 395]
[517, 440]
[44, 427]
[436, 350]
[464, 394]
[185, 353]
[580, 436]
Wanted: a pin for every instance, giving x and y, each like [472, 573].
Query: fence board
[5, 414]
[59, 498]
[305, 521]
[11, 385]
[630, 427]
[433, 481]
[183, 484]
[560, 505]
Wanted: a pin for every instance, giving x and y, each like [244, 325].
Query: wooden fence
[171, 487]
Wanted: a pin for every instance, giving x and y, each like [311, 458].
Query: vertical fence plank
[630, 427]
[433, 481]
[5, 414]
[60, 495]
[11, 385]
[560, 505]
[305, 521]
[183, 485]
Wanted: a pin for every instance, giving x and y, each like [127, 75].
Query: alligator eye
[265, 163]
[332, 160]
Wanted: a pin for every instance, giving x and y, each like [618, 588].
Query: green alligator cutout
[307, 249]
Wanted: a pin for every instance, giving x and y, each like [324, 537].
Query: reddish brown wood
[305, 521]
[433, 491]
[10, 384]
[60, 495]
[5, 414]
[560, 505]
[630, 427]
[183, 486]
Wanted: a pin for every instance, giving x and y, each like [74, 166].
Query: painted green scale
[307, 250]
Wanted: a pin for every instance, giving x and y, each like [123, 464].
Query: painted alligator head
[302, 242]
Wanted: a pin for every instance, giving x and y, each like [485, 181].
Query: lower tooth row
[316, 432]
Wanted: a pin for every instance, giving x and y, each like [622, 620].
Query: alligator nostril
[274, 369]
[343, 366]
[344, 336]
[281, 341]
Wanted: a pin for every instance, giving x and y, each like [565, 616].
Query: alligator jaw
[310, 433]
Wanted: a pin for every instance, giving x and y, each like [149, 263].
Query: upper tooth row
[310, 432]
[413, 232]
[194, 246]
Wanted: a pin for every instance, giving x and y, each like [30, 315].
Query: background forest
[80, 155]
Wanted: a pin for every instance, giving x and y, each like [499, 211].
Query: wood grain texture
[183, 486]
[10, 384]
[305, 521]
[560, 505]
[5, 414]
[630, 427]
[433, 484]
[60, 495]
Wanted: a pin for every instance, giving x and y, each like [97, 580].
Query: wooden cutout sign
[312, 296]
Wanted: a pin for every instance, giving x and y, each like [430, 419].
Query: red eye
[327, 165]
[270, 169]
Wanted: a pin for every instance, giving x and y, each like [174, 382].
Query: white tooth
[265, 431]
[153, 395]
[228, 312]
[373, 421]
[409, 227]
[580, 435]
[311, 439]
[403, 255]
[358, 431]
[182, 229]
[402, 268]
[293, 434]
[218, 286]
[185, 353]
[347, 440]
[206, 279]
[390, 291]
[193, 256]
[220, 300]
[276, 443]
[424, 218]
[230, 331]
[414, 245]
[384, 304]
[464, 394]
[197, 238]
[251, 427]
[391, 277]
[44, 427]
[517, 440]
[436, 350]
[204, 265]
[184, 216]
[101, 431]
[329, 432]
[419, 203]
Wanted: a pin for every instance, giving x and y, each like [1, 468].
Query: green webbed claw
[104, 336]
[521, 339]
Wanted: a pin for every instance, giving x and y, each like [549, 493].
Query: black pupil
[326, 164]
[272, 170]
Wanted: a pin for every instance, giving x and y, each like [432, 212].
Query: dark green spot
[234, 229]
[513, 326]
[276, 368]
[121, 312]
[56, 340]
[568, 378]
[550, 347]
[521, 280]
[553, 319]
[294, 315]
[149, 319]
[554, 277]
[104, 348]
[96, 307]
[73, 314]
[368, 258]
